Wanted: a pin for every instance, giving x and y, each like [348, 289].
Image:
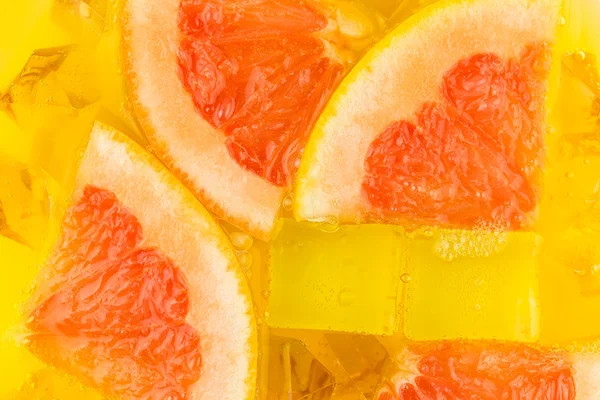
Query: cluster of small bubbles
[483, 241]
[241, 241]
[586, 347]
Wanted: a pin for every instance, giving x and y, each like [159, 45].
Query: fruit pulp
[567, 218]
[475, 156]
[263, 88]
[115, 305]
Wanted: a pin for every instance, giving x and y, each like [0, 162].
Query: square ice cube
[346, 280]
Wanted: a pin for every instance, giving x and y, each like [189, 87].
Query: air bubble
[245, 259]
[84, 10]
[241, 241]
[580, 55]
[287, 203]
[406, 278]
[346, 298]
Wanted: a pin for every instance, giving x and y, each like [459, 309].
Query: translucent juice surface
[337, 307]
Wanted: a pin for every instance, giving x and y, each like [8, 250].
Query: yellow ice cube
[362, 357]
[472, 285]
[26, 25]
[570, 287]
[580, 26]
[348, 371]
[295, 373]
[54, 104]
[346, 280]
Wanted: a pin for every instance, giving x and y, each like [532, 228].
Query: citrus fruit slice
[143, 296]
[228, 92]
[453, 131]
[466, 370]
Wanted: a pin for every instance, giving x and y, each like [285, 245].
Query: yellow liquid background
[40, 135]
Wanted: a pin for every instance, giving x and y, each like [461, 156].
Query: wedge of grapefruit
[143, 297]
[470, 370]
[441, 123]
[228, 91]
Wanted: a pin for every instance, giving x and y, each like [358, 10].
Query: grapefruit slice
[228, 92]
[465, 370]
[453, 133]
[143, 297]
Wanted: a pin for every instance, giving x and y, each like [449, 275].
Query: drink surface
[343, 311]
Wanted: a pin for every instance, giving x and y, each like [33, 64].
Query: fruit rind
[184, 142]
[176, 223]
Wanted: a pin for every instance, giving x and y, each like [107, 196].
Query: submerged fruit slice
[463, 370]
[143, 297]
[228, 92]
[455, 134]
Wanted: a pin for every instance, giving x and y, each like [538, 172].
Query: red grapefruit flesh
[143, 297]
[469, 371]
[256, 72]
[473, 157]
[117, 316]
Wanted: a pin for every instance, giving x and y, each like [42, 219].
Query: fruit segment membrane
[264, 88]
[113, 312]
